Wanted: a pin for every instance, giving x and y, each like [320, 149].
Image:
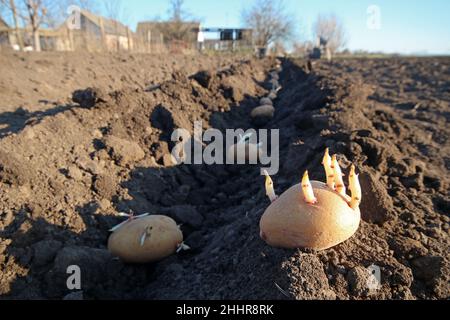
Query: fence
[50, 40]
[220, 45]
[64, 39]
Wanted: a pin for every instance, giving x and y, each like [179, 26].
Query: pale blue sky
[407, 26]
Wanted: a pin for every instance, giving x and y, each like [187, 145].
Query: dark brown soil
[67, 170]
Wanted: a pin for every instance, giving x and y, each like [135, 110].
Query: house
[50, 40]
[227, 39]
[181, 33]
[3, 23]
[97, 33]
[54, 40]
[4, 33]
[8, 36]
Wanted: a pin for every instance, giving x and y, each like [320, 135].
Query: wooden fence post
[129, 39]
[71, 41]
[102, 30]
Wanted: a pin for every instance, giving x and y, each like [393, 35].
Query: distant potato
[266, 111]
[262, 114]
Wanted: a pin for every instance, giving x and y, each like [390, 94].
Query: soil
[69, 166]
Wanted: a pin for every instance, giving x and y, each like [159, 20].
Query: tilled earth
[65, 176]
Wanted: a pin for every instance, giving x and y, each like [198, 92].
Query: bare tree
[114, 9]
[177, 11]
[89, 5]
[34, 15]
[270, 22]
[177, 28]
[3, 9]
[36, 12]
[302, 49]
[11, 5]
[330, 29]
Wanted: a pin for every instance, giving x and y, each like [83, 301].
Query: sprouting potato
[312, 214]
[145, 239]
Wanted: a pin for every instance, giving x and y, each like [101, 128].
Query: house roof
[3, 23]
[110, 26]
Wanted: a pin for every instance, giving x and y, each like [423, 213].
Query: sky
[405, 26]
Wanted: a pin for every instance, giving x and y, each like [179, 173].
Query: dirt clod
[358, 278]
[124, 152]
[88, 98]
[376, 204]
[14, 171]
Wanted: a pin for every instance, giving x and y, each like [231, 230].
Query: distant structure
[228, 39]
[97, 33]
[4, 35]
[176, 35]
[320, 49]
[190, 35]
[9, 38]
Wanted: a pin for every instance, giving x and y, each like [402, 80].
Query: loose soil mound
[73, 170]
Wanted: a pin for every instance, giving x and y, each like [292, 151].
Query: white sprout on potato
[270, 191]
[338, 181]
[130, 218]
[335, 181]
[145, 235]
[328, 169]
[308, 191]
[246, 139]
[182, 247]
[355, 188]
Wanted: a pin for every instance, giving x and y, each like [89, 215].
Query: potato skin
[164, 238]
[289, 222]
